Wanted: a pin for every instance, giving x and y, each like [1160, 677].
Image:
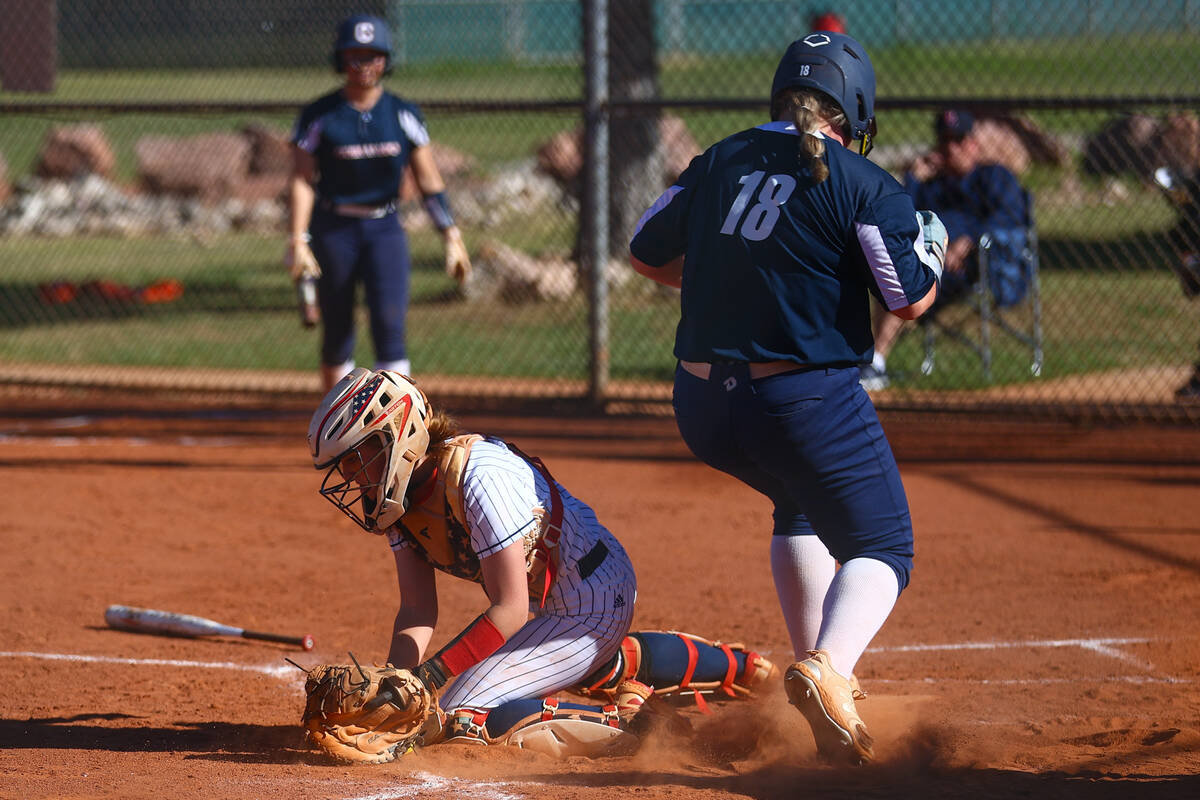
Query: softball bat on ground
[150, 620]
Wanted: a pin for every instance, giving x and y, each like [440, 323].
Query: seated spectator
[1183, 189]
[971, 198]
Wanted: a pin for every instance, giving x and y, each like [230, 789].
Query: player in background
[479, 509]
[778, 236]
[350, 150]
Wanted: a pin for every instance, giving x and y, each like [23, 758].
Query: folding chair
[1020, 319]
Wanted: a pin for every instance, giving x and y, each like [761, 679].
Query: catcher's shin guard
[552, 727]
[681, 664]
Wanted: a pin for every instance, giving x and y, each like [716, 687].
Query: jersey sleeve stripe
[308, 139]
[882, 266]
[413, 129]
[662, 202]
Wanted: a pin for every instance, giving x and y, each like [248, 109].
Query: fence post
[28, 45]
[594, 208]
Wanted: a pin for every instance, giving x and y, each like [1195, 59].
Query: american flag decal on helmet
[362, 398]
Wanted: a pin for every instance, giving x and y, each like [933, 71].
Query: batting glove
[935, 240]
[300, 261]
[458, 262]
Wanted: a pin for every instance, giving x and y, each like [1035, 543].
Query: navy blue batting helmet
[365, 31]
[837, 66]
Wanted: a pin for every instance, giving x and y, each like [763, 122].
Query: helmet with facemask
[368, 435]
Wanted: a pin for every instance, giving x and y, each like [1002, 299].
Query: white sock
[802, 568]
[879, 361]
[860, 599]
[401, 365]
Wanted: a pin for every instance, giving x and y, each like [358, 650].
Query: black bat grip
[305, 641]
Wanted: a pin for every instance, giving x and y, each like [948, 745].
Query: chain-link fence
[144, 164]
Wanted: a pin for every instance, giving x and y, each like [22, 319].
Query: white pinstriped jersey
[590, 605]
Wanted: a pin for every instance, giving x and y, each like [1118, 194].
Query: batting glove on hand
[300, 261]
[458, 262]
[935, 239]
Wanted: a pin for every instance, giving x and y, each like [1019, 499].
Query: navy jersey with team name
[777, 267]
[360, 155]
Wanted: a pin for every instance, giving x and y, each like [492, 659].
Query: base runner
[778, 236]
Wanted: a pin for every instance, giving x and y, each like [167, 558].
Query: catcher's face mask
[368, 435]
[357, 481]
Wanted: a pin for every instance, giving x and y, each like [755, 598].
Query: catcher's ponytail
[441, 427]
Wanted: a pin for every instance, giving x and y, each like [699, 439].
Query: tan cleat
[631, 696]
[643, 712]
[826, 699]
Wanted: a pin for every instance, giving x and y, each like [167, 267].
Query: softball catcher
[479, 509]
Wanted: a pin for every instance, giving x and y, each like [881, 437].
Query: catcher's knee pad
[548, 726]
[681, 664]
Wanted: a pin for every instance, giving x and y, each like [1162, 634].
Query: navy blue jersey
[361, 155]
[777, 267]
[988, 198]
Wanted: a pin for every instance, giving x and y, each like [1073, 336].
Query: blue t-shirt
[987, 199]
[777, 267]
[360, 155]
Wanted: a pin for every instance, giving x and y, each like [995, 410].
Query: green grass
[1109, 301]
[238, 311]
[1092, 321]
[1063, 67]
[456, 81]
[1148, 65]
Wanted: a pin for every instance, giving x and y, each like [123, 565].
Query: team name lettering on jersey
[353, 152]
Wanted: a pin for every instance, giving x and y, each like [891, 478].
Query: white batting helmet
[369, 432]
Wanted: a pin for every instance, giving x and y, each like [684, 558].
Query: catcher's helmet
[837, 66]
[368, 433]
[362, 30]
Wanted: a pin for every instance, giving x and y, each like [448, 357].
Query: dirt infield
[1048, 646]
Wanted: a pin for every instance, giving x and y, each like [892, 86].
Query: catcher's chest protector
[436, 524]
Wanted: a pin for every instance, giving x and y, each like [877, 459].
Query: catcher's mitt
[366, 715]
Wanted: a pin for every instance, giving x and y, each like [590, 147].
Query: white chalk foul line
[1103, 646]
[426, 782]
[127, 441]
[918, 648]
[1138, 680]
[275, 672]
